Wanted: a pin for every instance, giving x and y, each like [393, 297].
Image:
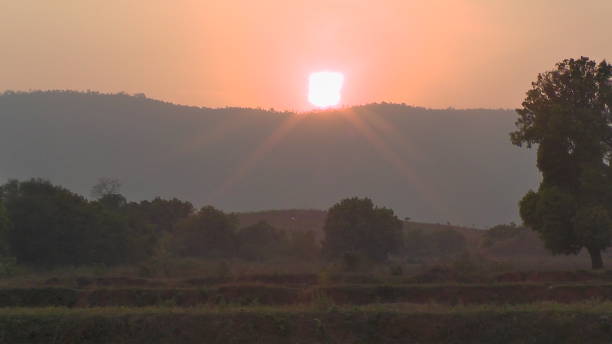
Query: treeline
[46, 225]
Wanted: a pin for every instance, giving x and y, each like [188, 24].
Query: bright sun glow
[324, 89]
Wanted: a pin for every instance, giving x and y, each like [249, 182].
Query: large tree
[209, 233]
[567, 114]
[355, 225]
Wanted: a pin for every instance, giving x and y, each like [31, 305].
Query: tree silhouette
[356, 226]
[5, 227]
[567, 113]
[209, 233]
[106, 186]
[52, 226]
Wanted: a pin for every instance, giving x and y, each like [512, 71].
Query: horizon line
[142, 95]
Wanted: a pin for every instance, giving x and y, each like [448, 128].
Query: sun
[324, 88]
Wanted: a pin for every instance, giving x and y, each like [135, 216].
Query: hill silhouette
[454, 166]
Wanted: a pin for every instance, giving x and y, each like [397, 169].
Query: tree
[138, 236]
[303, 245]
[567, 113]
[52, 226]
[355, 225]
[209, 233]
[162, 214]
[106, 186]
[5, 228]
[107, 192]
[261, 241]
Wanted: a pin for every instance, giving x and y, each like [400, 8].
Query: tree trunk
[596, 260]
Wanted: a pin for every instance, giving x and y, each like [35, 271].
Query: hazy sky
[433, 53]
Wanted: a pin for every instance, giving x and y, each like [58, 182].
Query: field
[537, 323]
[327, 307]
[507, 291]
[453, 285]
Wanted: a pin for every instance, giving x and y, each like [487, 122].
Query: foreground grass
[586, 322]
[588, 306]
[594, 306]
[264, 294]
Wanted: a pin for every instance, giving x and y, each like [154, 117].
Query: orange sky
[433, 53]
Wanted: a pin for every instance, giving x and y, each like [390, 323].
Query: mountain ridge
[432, 165]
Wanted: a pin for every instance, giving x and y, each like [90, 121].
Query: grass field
[466, 301]
[588, 322]
[517, 307]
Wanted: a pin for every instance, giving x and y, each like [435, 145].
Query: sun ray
[208, 136]
[258, 153]
[395, 160]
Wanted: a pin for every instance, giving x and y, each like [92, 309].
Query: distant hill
[454, 166]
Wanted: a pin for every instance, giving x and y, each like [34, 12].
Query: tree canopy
[209, 233]
[162, 214]
[5, 227]
[567, 114]
[355, 225]
[52, 226]
[261, 241]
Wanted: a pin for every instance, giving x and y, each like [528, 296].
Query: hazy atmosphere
[321, 171]
[430, 165]
[441, 53]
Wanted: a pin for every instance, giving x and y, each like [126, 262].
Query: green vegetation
[5, 229]
[209, 233]
[281, 295]
[45, 226]
[262, 241]
[540, 323]
[52, 226]
[502, 233]
[355, 226]
[567, 114]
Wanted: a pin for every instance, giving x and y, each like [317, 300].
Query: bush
[502, 233]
